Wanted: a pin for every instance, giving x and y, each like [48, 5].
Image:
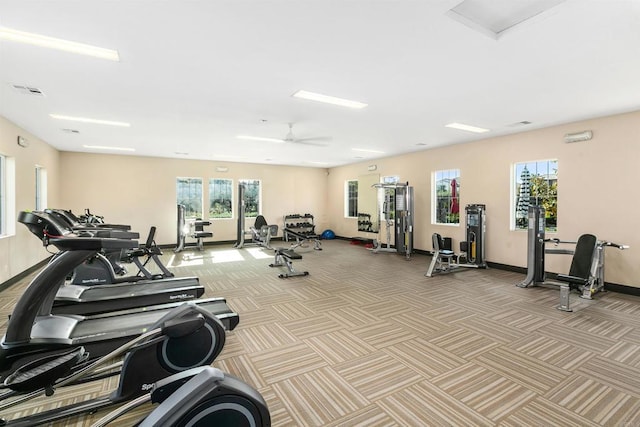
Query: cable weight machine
[396, 204]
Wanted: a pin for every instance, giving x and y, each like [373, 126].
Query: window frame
[41, 188]
[213, 197]
[191, 213]
[247, 182]
[519, 218]
[351, 198]
[449, 198]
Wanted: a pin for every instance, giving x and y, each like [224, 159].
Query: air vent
[71, 130]
[522, 123]
[28, 90]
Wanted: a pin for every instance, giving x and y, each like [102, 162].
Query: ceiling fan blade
[313, 141]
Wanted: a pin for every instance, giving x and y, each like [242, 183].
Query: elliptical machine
[185, 338]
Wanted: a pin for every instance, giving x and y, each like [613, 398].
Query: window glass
[189, 194]
[351, 198]
[252, 197]
[536, 183]
[220, 198]
[446, 196]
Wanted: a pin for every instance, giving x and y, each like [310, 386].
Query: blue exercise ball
[328, 235]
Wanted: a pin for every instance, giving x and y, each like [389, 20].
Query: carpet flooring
[367, 340]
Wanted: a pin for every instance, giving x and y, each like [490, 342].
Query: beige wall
[22, 250]
[597, 179]
[141, 191]
[596, 186]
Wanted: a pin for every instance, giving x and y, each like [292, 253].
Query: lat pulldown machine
[397, 207]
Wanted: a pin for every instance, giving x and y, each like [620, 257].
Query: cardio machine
[33, 331]
[185, 338]
[97, 293]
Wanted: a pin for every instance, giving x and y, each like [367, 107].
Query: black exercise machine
[210, 397]
[260, 233]
[284, 258]
[445, 260]
[33, 331]
[185, 338]
[88, 220]
[586, 274]
[192, 228]
[94, 288]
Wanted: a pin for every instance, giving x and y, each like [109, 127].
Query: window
[351, 199]
[446, 196]
[7, 196]
[220, 198]
[189, 194]
[41, 188]
[536, 183]
[252, 197]
[2, 194]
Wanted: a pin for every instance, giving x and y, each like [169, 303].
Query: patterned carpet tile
[617, 375]
[318, 397]
[383, 334]
[424, 357]
[624, 352]
[496, 331]
[352, 317]
[527, 371]
[542, 412]
[596, 401]
[421, 324]
[423, 404]
[312, 326]
[264, 337]
[463, 342]
[565, 356]
[371, 416]
[285, 362]
[517, 319]
[339, 346]
[598, 326]
[586, 340]
[377, 375]
[291, 310]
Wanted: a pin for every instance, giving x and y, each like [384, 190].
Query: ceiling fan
[290, 138]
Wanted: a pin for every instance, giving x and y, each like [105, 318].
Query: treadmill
[33, 332]
[93, 299]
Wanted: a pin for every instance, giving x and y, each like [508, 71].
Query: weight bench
[198, 232]
[285, 257]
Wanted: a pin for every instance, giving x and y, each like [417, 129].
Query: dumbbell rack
[300, 223]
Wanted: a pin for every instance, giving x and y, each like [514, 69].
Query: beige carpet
[367, 340]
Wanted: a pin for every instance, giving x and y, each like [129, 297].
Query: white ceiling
[194, 74]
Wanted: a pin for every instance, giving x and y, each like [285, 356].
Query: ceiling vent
[522, 123]
[27, 90]
[494, 17]
[71, 130]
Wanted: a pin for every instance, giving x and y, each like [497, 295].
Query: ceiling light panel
[89, 120]
[468, 128]
[105, 147]
[303, 94]
[59, 44]
[259, 138]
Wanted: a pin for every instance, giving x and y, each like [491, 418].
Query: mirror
[368, 216]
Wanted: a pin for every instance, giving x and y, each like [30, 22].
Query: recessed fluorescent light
[87, 120]
[53, 43]
[259, 138]
[364, 150]
[328, 99]
[104, 147]
[468, 128]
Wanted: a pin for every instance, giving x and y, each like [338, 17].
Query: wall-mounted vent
[28, 90]
[71, 130]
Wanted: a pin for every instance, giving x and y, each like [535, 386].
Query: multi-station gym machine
[396, 201]
[536, 250]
